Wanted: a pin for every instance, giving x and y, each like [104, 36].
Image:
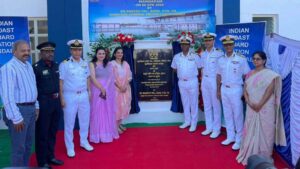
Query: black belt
[26, 104]
[53, 95]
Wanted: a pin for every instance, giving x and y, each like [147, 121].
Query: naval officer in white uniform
[186, 64]
[212, 106]
[232, 68]
[74, 91]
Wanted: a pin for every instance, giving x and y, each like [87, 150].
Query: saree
[123, 99]
[103, 118]
[264, 128]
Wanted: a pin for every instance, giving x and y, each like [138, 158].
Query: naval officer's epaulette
[66, 60]
[240, 55]
[219, 50]
[192, 52]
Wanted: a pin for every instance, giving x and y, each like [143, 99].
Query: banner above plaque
[150, 19]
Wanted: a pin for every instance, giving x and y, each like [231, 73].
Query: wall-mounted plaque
[154, 74]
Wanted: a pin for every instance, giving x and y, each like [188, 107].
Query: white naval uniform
[74, 75]
[187, 72]
[212, 106]
[232, 70]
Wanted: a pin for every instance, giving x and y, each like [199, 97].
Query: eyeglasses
[256, 59]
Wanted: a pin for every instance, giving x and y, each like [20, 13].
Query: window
[38, 33]
[271, 22]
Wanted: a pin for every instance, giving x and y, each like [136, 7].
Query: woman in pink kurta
[263, 124]
[102, 118]
[123, 77]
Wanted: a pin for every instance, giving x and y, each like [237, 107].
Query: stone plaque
[154, 74]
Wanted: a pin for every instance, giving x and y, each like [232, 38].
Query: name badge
[45, 72]
[235, 62]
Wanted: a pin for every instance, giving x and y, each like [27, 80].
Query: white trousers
[233, 111]
[212, 106]
[189, 92]
[76, 103]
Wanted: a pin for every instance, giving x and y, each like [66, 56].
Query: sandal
[122, 127]
[120, 131]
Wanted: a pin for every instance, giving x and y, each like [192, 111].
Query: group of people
[226, 81]
[34, 98]
[99, 92]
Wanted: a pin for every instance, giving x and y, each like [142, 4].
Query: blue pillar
[231, 11]
[64, 24]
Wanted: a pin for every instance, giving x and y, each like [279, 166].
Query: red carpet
[154, 148]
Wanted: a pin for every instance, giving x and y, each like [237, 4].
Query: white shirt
[18, 85]
[186, 66]
[232, 69]
[209, 61]
[74, 75]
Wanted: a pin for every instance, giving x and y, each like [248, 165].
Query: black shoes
[55, 161]
[46, 166]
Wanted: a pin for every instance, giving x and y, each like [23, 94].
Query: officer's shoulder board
[66, 60]
[193, 53]
[240, 55]
[220, 51]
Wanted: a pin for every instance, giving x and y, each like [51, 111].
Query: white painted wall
[219, 11]
[85, 26]
[287, 11]
[29, 8]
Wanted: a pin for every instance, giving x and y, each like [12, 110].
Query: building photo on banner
[163, 83]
